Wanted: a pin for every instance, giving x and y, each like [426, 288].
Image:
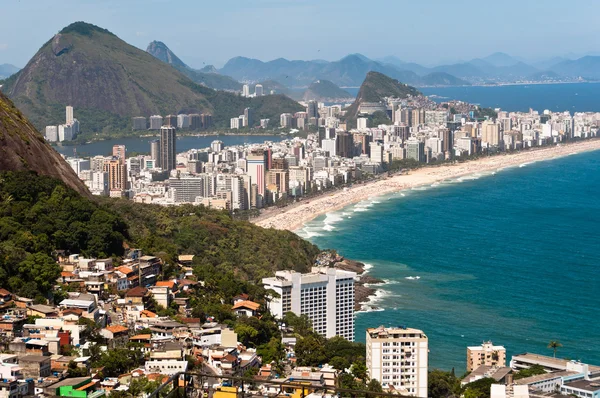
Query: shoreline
[293, 217]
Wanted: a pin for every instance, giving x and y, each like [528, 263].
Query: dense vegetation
[39, 215]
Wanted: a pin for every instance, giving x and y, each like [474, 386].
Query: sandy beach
[294, 216]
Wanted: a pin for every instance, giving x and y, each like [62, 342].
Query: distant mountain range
[351, 70]
[207, 76]
[7, 70]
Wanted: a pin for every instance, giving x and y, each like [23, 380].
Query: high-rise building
[256, 162]
[376, 152]
[206, 121]
[362, 123]
[285, 120]
[248, 117]
[398, 358]
[490, 133]
[170, 121]
[486, 354]
[415, 149]
[312, 109]
[156, 122]
[258, 90]
[183, 121]
[245, 90]
[344, 144]
[187, 189]
[139, 123]
[155, 151]
[118, 151]
[117, 176]
[195, 121]
[167, 148]
[234, 123]
[51, 133]
[65, 132]
[216, 146]
[418, 117]
[69, 115]
[326, 296]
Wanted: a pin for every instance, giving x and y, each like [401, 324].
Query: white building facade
[325, 295]
[398, 357]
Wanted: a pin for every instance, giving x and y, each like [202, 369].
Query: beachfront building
[486, 354]
[325, 295]
[398, 358]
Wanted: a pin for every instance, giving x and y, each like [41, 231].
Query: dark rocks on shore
[362, 293]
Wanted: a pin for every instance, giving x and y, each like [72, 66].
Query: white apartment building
[325, 295]
[398, 357]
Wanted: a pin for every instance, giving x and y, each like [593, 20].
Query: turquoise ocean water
[511, 257]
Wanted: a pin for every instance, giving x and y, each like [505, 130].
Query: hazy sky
[212, 31]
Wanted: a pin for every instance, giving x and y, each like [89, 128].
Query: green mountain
[207, 77]
[321, 90]
[44, 207]
[375, 88]
[109, 81]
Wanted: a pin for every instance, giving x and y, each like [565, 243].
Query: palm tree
[554, 345]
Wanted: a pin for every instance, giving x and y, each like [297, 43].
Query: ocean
[511, 256]
[142, 144]
[572, 97]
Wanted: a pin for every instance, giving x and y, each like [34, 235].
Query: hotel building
[325, 295]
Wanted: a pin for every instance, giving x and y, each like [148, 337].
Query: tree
[554, 345]
[246, 334]
[272, 351]
[443, 384]
[301, 324]
[479, 388]
[310, 351]
[339, 363]
[359, 370]
[533, 370]
[373, 386]
[75, 371]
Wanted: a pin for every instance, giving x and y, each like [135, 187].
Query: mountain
[348, 71]
[159, 50]
[442, 79]
[109, 81]
[324, 90]
[463, 70]
[22, 147]
[375, 88]
[546, 64]
[207, 77]
[278, 88]
[500, 59]
[587, 67]
[7, 70]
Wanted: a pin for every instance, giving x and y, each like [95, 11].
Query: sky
[202, 32]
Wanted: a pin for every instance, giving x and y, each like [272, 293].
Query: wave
[525, 164]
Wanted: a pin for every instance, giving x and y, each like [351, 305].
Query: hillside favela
[310, 199]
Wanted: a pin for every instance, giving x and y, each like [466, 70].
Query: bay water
[511, 256]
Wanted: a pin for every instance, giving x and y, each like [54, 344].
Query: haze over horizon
[213, 33]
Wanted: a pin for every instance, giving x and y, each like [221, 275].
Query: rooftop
[246, 304]
[542, 377]
[587, 385]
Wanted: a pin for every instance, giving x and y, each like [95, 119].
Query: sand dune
[294, 216]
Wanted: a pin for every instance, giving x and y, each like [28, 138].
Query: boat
[412, 277]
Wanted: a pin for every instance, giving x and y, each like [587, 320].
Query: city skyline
[419, 39]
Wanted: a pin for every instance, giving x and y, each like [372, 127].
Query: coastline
[295, 216]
